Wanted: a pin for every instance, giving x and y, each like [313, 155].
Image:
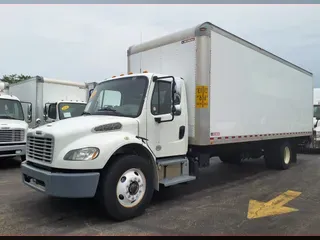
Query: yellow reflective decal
[202, 97]
[66, 107]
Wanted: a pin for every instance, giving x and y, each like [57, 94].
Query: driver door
[168, 137]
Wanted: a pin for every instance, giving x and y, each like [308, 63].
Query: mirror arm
[156, 78]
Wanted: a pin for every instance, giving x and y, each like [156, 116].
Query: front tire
[126, 187]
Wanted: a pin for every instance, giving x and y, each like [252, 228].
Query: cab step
[174, 170]
[172, 161]
[177, 180]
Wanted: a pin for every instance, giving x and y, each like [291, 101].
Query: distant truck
[188, 96]
[13, 124]
[314, 141]
[52, 99]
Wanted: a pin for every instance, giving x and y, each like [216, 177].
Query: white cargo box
[236, 91]
[39, 91]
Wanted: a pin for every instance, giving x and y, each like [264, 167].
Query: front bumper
[12, 150]
[66, 185]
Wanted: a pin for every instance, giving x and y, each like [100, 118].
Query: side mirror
[177, 110]
[168, 117]
[52, 111]
[27, 110]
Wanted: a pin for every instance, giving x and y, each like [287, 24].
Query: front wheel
[126, 187]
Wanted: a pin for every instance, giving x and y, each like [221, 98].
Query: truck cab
[13, 125]
[63, 109]
[128, 123]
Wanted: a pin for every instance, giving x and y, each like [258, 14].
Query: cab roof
[7, 96]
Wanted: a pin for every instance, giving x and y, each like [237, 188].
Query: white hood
[83, 125]
[13, 124]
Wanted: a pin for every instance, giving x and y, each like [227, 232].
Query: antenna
[140, 52]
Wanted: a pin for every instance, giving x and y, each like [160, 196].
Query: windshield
[316, 111]
[11, 109]
[118, 97]
[69, 110]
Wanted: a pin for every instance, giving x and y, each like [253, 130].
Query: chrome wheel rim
[131, 188]
[286, 155]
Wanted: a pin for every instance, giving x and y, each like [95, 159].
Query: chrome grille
[40, 148]
[11, 135]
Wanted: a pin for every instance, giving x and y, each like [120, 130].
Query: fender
[108, 143]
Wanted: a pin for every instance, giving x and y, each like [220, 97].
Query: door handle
[182, 130]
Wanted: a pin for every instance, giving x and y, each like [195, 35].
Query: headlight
[82, 154]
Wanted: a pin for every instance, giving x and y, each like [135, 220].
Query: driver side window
[161, 98]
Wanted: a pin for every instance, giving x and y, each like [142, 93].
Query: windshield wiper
[86, 113]
[7, 117]
[107, 109]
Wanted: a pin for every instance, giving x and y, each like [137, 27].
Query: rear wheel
[279, 155]
[126, 187]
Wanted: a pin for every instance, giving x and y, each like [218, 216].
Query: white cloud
[89, 42]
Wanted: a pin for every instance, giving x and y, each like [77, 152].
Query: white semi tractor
[207, 93]
[13, 124]
[52, 99]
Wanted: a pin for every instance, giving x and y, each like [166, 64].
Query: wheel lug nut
[123, 179]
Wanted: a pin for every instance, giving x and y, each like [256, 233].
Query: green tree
[14, 78]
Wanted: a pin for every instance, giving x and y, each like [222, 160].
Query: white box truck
[13, 124]
[210, 94]
[52, 99]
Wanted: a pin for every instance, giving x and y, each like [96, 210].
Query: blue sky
[88, 42]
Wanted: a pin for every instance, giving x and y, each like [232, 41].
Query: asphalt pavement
[226, 200]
